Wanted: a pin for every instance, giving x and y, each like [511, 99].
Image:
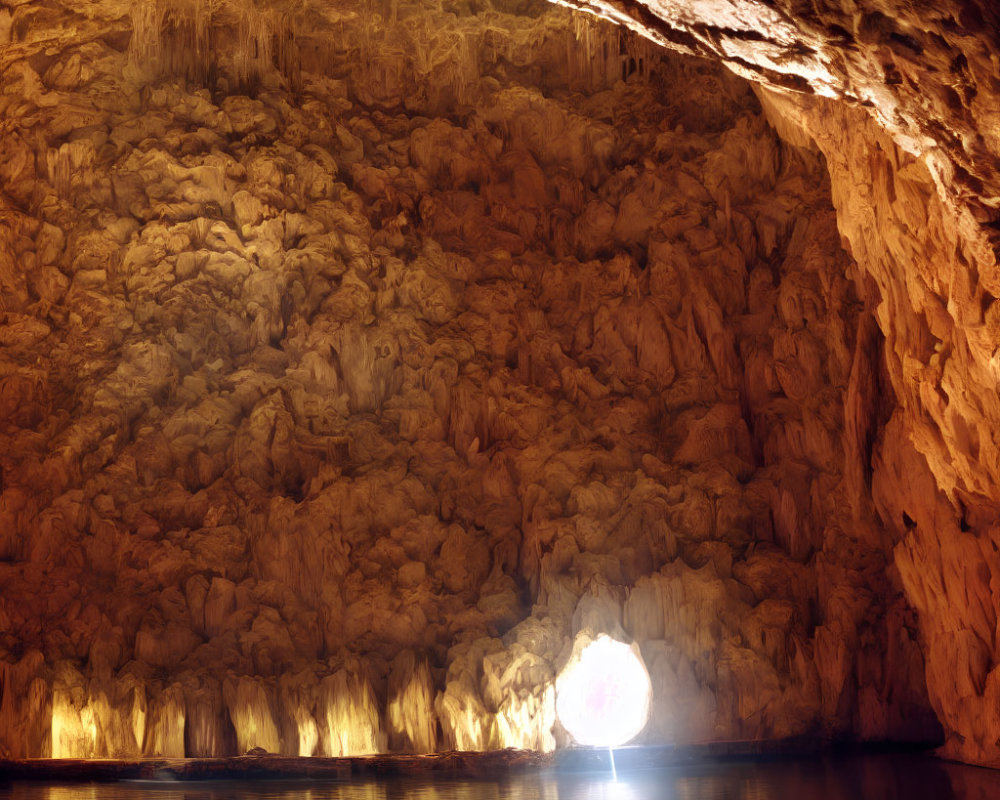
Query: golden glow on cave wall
[370, 356]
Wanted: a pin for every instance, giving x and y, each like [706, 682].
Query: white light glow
[603, 694]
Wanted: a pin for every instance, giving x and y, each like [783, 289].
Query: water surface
[881, 777]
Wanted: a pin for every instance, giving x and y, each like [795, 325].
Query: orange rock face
[358, 361]
[915, 184]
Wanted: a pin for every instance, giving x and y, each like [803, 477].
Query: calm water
[881, 777]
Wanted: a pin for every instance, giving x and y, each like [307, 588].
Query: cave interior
[363, 361]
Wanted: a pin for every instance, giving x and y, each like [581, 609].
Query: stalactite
[188, 41]
[600, 54]
[287, 40]
[194, 41]
[145, 51]
[252, 55]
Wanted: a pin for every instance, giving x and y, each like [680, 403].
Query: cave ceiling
[926, 71]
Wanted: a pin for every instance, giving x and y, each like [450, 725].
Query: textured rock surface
[913, 158]
[931, 467]
[346, 378]
[927, 72]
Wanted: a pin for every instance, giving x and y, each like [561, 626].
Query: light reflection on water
[859, 778]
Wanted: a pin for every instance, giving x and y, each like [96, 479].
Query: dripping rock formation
[903, 99]
[359, 360]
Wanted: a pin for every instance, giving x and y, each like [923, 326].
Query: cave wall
[344, 384]
[938, 443]
[911, 141]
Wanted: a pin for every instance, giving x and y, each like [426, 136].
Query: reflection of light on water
[629, 787]
[527, 787]
[243, 790]
[709, 782]
[700, 787]
[603, 694]
[613, 790]
[913, 778]
[70, 792]
[755, 789]
[694, 789]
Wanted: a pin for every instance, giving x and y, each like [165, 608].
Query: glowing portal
[603, 693]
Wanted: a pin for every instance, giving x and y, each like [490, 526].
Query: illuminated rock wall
[937, 443]
[347, 377]
[912, 144]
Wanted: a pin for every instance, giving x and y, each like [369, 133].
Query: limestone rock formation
[912, 139]
[358, 357]
[927, 73]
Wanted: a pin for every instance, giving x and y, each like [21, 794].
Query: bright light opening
[603, 693]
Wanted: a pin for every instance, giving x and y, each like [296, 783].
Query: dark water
[850, 778]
